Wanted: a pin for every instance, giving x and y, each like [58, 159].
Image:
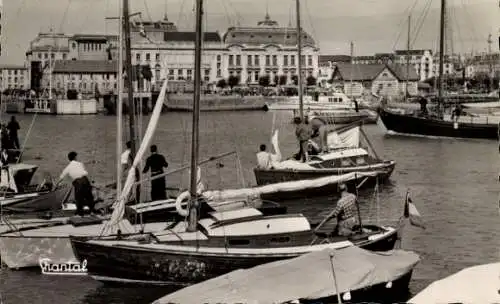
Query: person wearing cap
[303, 134]
[75, 170]
[345, 212]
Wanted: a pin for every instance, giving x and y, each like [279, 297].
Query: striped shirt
[346, 207]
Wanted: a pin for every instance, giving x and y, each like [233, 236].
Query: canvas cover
[305, 277]
[473, 285]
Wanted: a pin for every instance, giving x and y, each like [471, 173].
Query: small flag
[412, 213]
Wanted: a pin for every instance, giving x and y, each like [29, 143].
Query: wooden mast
[193, 208]
[128, 65]
[408, 58]
[299, 53]
[441, 56]
[119, 105]
[130, 91]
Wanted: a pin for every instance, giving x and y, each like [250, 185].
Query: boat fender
[455, 125]
[178, 203]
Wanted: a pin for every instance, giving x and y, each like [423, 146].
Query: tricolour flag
[412, 213]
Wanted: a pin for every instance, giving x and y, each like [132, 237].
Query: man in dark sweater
[156, 162]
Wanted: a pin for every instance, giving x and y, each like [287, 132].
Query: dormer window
[269, 36]
[233, 35]
[251, 36]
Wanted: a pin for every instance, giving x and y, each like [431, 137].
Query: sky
[373, 25]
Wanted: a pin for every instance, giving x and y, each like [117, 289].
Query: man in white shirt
[126, 161]
[75, 170]
[266, 160]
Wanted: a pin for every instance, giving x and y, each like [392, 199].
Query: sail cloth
[119, 205]
[473, 285]
[231, 194]
[347, 139]
[306, 277]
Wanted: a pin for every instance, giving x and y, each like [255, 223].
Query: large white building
[245, 52]
[169, 53]
[267, 49]
[421, 60]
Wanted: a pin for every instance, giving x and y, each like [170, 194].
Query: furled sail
[255, 192]
[119, 205]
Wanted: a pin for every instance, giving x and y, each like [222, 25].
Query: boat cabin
[242, 228]
[346, 157]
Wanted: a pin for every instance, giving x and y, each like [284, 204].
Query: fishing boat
[198, 249]
[419, 124]
[339, 117]
[19, 195]
[334, 100]
[476, 284]
[347, 275]
[346, 156]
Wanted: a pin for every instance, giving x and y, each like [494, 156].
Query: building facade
[266, 50]
[380, 79]
[13, 77]
[88, 77]
[169, 53]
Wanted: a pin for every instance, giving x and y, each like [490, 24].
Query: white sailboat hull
[26, 250]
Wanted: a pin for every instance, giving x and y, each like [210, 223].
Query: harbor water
[453, 183]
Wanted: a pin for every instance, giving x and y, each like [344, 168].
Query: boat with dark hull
[435, 124]
[352, 274]
[223, 242]
[345, 157]
[426, 126]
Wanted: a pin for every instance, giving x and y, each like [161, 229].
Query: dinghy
[353, 274]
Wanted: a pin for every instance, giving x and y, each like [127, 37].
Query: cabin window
[240, 242]
[345, 162]
[280, 240]
[360, 161]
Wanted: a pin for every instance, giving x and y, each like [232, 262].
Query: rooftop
[191, 36]
[368, 72]
[333, 58]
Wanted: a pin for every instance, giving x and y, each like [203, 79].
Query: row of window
[15, 72]
[52, 56]
[270, 60]
[9, 79]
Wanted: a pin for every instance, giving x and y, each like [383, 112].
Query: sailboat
[345, 156]
[200, 247]
[437, 125]
[24, 242]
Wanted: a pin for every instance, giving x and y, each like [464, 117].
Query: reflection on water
[452, 182]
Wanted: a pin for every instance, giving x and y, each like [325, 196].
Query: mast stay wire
[185, 128]
[407, 11]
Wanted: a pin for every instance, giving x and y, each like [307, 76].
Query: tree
[295, 79]
[221, 83]
[146, 72]
[264, 80]
[233, 81]
[311, 80]
[282, 79]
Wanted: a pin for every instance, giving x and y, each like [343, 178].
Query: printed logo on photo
[68, 268]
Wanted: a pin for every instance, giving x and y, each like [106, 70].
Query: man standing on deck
[303, 134]
[156, 162]
[345, 212]
[13, 127]
[319, 134]
[81, 184]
